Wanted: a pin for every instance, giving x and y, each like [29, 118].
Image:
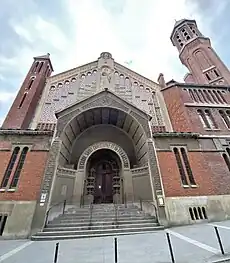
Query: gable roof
[106, 94]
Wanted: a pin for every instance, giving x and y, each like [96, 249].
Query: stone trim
[43, 150]
[103, 145]
[72, 72]
[190, 150]
[207, 105]
[24, 132]
[177, 134]
[140, 170]
[50, 172]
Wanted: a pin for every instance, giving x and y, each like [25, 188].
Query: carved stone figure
[105, 77]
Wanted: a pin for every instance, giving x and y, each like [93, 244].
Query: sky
[75, 32]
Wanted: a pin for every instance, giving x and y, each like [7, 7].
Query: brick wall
[198, 126]
[209, 170]
[32, 173]
[184, 118]
[29, 184]
[172, 180]
[177, 112]
[20, 118]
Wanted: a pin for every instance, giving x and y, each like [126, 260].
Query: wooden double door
[103, 192]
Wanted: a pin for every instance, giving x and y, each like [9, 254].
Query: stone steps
[97, 227]
[95, 223]
[57, 235]
[75, 223]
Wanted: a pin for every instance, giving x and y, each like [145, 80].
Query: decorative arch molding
[103, 99]
[103, 145]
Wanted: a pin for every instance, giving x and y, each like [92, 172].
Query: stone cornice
[177, 134]
[207, 105]
[24, 132]
[194, 85]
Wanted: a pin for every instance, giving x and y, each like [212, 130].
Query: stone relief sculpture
[105, 77]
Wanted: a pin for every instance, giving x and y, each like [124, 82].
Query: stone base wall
[19, 218]
[217, 208]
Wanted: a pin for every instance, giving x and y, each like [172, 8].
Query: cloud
[75, 32]
[6, 96]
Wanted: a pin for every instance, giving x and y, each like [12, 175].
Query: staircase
[99, 220]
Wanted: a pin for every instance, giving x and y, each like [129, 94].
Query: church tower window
[22, 100]
[20, 164]
[180, 166]
[187, 166]
[40, 67]
[9, 168]
[226, 159]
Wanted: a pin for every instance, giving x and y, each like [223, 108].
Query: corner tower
[197, 54]
[22, 110]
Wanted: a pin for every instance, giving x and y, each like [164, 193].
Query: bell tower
[197, 54]
[22, 110]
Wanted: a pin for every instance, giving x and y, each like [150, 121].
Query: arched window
[228, 115]
[35, 66]
[204, 213]
[208, 96]
[225, 118]
[228, 151]
[222, 96]
[200, 213]
[216, 72]
[210, 119]
[203, 119]
[191, 213]
[22, 100]
[180, 166]
[203, 95]
[195, 213]
[30, 83]
[214, 97]
[40, 67]
[20, 164]
[192, 95]
[207, 76]
[226, 159]
[198, 95]
[47, 70]
[187, 166]
[9, 168]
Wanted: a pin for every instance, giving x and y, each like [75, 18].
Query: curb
[227, 259]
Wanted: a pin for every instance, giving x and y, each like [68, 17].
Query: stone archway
[105, 185]
[103, 145]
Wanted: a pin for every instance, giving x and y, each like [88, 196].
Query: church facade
[102, 133]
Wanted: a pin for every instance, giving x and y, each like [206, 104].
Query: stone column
[78, 187]
[47, 186]
[156, 184]
[128, 185]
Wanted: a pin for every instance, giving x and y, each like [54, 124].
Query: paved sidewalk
[195, 243]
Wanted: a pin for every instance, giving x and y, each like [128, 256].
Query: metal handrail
[90, 214]
[82, 201]
[149, 202]
[54, 205]
[115, 213]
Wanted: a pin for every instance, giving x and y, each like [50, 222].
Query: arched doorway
[103, 179]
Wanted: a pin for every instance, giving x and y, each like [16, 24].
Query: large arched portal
[103, 176]
[104, 152]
